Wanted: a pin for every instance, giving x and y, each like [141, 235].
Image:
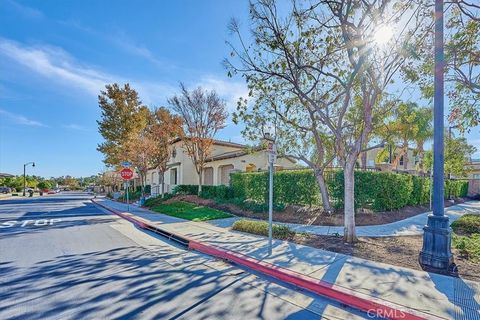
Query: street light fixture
[436, 253]
[24, 176]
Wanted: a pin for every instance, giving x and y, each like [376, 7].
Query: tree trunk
[200, 181]
[405, 157]
[349, 201]
[162, 183]
[364, 160]
[323, 191]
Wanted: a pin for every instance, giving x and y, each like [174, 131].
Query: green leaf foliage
[378, 191]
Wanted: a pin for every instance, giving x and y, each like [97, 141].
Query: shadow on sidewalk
[464, 295]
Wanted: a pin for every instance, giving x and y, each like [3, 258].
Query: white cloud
[56, 64]
[74, 126]
[20, 119]
[231, 91]
[59, 66]
[26, 11]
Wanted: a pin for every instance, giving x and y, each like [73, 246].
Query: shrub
[374, 190]
[421, 190]
[378, 191]
[154, 201]
[467, 224]
[456, 188]
[290, 187]
[469, 246]
[185, 189]
[216, 192]
[261, 228]
[148, 189]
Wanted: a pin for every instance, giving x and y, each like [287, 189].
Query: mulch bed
[400, 251]
[314, 215]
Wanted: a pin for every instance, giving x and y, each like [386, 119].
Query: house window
[173, 176]
[476, 176]
[208, 176]
[401, 161]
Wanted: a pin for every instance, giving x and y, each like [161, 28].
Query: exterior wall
[258, 159]
[475, 170]
[186, 173]
[372, 159]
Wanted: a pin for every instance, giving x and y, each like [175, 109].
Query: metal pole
[438, 114]
[24, 180]
[270, 208]
[436, 252]
[128, 190]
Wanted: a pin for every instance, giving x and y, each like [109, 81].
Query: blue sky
[55, 57]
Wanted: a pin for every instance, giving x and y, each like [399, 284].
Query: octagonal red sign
[126, 173]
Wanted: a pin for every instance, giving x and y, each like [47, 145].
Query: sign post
[272, 157]
[127, 174]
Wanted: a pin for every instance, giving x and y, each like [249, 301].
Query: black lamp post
[24, 177]
[436, 254]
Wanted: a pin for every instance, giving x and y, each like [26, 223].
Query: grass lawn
[190, 211]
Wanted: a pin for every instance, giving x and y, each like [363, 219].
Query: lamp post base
[436, 254]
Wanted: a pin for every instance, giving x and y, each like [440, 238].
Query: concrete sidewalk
[437, 295]
[407, 227]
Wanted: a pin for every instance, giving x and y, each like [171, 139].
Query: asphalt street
[62, 257]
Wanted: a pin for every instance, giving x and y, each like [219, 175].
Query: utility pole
[436, 253]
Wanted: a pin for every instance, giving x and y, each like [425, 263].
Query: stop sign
[126, 173]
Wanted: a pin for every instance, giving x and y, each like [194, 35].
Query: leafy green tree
[462, 63]
[123, 116]
[329, 57]
[44, 185]
[457, 155]
[296, 130]
[408, 124]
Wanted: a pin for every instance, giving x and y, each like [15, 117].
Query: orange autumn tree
[164, 129]
[203, 114]
[141, 150]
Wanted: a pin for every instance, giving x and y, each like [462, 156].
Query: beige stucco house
[369, 160]
[226, 157]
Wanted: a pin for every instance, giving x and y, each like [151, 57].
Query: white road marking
[37, 223]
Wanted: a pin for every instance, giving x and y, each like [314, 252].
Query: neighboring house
[474, 177]
[226, 157]
[474, 168]
[371, 161]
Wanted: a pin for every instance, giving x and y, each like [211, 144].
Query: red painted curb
[373, 306]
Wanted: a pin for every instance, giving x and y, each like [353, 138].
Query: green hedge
[208, 192]
[378, 191]
[456, 188]
[374, 190]
[290, 187]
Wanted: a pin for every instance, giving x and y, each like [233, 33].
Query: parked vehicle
[5, 190]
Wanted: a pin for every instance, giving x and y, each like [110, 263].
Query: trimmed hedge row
[378, 191]
[208, 192]
[289, 187]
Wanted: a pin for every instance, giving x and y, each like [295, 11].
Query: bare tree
[203, 114]
[334, 57]
[165, 128]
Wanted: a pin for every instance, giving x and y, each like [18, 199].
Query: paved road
[61, 257]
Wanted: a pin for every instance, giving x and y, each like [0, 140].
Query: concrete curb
[375, 307]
